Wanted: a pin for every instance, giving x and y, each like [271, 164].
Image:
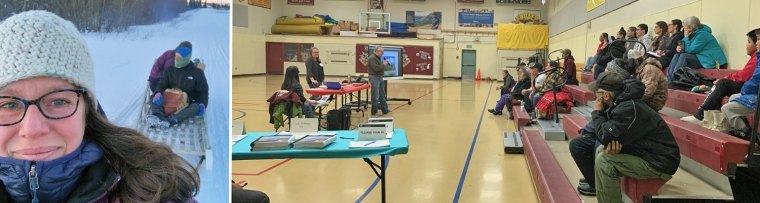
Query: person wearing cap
[166, 60]
[186, 77]
[636, 141]
[55, 147]
[569, 66]
[731, 84]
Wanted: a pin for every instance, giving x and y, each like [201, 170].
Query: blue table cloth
[338, 149]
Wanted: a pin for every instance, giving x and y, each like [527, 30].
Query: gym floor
[455, 149]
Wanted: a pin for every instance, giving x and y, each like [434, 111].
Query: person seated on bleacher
[729, 85]
[631, 35]
[514, 94]
[743, 104]
[504, 90]
[537, 82]
[643, 36]
[662, 40]
[700, 48]
[668, 49]
[636, 141]
[569, 66]
[614, 49]
[603, 41]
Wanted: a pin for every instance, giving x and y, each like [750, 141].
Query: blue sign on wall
[476, 18]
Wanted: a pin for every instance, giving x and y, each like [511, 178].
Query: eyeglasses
[55, 105]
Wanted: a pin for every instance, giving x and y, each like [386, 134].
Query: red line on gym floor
[264, 171]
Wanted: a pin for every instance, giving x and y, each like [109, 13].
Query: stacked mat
[309, 26]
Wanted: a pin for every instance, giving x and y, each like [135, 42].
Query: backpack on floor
[339, 119]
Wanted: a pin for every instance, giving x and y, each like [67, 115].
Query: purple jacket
[166, 60]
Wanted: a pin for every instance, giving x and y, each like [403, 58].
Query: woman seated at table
[293, 84]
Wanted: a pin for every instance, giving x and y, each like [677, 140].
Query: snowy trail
[122, 65]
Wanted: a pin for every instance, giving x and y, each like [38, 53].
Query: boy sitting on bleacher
[637, 142]
[743, 104]
[731, 84]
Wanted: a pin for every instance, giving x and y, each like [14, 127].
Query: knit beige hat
[39, 43]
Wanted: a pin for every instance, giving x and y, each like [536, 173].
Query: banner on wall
[261, 3]
[522, 36]
[592, 4]
[525, 16]
[476, 18]
[470, 1]
[301, 2]
[424, 19]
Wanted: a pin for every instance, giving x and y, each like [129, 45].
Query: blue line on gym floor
[472, 147]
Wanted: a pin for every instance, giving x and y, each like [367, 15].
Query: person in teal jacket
[700, 48]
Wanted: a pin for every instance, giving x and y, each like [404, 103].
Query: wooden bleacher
[550, 181]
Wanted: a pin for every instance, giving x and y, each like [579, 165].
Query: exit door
[468, 64]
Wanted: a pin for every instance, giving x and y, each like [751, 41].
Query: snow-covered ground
[122, 65]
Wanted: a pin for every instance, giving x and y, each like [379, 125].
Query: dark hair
[613, 38]
[632, 29]
[632, 63]
[149, 171]
[291, 78]
[663, 26]
[644, 27]
[622, 32]
[521, 64]
[678, 24]
[753, 34]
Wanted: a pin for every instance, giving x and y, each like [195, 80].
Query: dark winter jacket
[166, 60]
[639, 129]
[670, 51]
[314, 69]
[521, 85]
[508, 83]
[189, 79]
[375, 66]
[569, 66]
[613, 50]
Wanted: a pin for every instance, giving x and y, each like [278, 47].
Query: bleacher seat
[715, 150]
[520, 115]
[687, 101]
[580, 95]
[636, 189]
[587, 77]
[572, 124]
[550, 181]
[716, 73]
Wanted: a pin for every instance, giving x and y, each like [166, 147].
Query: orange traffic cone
[477, 75]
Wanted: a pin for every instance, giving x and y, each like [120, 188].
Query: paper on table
[653, 54]
[301, 135]
[370, 144]
[389, 135]
[236, 138]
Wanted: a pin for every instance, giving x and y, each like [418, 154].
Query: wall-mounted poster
[301, 2]
[482, 18]
[424, 19]
[261, 3]
[513, 1]
[525, 16]
[470, 1]
[377, 5]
